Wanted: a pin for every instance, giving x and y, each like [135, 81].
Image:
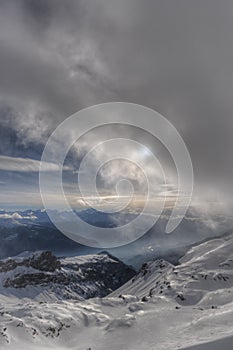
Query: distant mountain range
[32, 230]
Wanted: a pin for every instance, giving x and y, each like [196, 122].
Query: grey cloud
[175, 56]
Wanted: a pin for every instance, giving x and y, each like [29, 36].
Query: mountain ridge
[33, 273]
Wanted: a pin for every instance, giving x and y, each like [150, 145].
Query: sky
[58, 57]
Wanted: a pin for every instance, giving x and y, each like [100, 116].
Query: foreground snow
[189, 306]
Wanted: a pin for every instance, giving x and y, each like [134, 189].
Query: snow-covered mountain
[188, 306]
[204, 276]
[42, 276]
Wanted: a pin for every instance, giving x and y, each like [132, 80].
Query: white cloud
[10, 216]
[16, 216]
[25, 165]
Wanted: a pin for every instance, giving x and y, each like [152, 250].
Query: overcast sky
[57, 57]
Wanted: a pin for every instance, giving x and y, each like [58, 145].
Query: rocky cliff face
[44, 261]
[70, 278]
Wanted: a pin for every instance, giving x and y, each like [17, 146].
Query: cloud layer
[57, 57]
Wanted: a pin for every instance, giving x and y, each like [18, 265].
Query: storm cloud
[175, 56]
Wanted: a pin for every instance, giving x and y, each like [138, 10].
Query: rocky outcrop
[42, 261]
[77, 277]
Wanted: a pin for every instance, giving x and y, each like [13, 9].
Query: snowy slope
[189, 306]
[150, 275]
[204, 276]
